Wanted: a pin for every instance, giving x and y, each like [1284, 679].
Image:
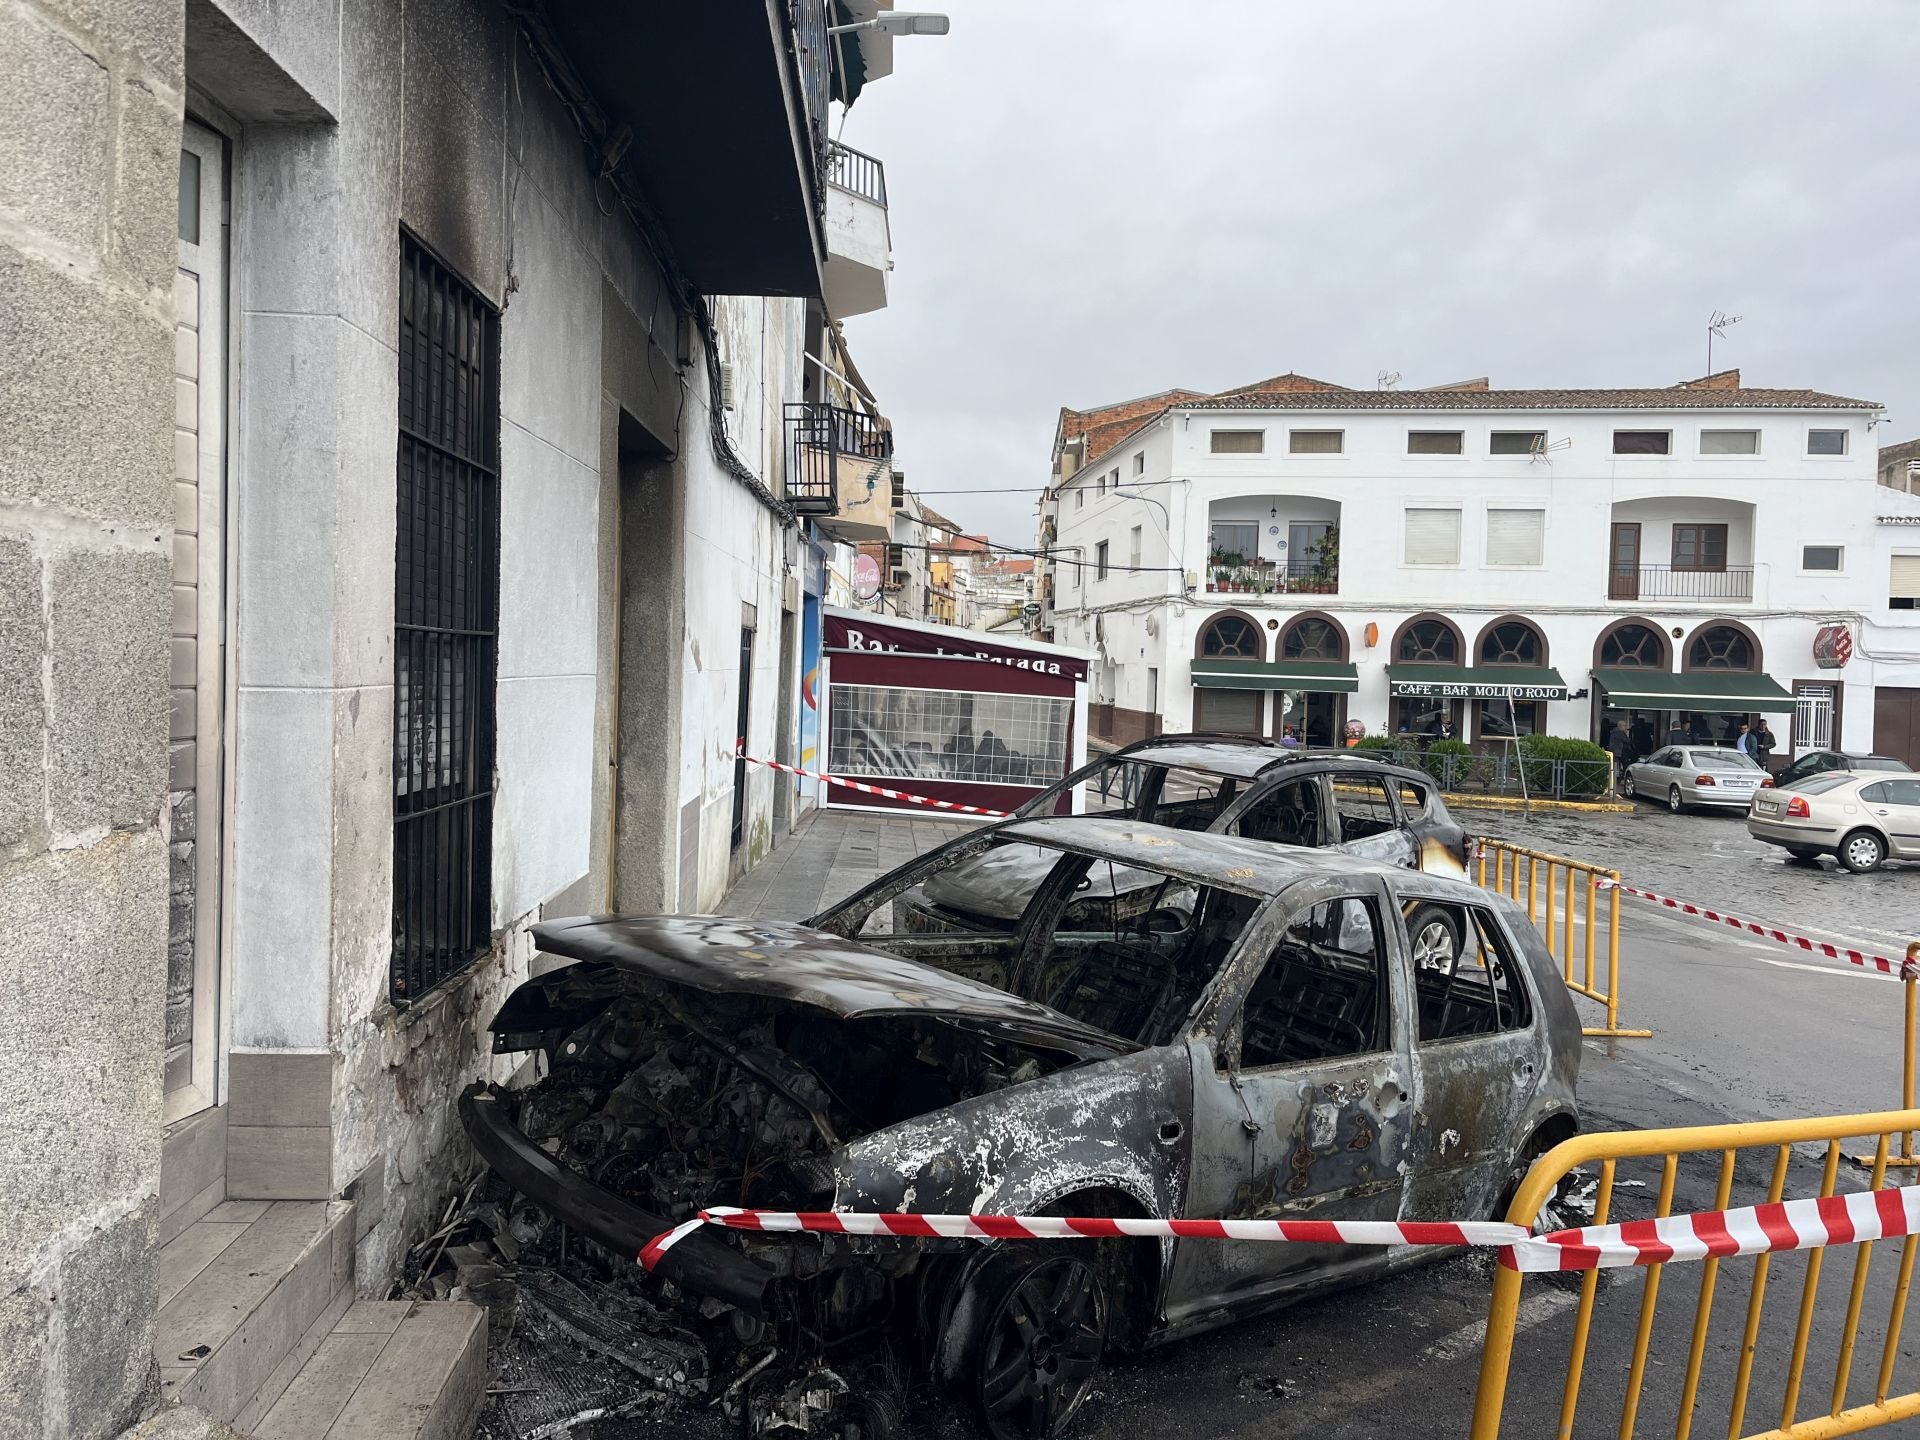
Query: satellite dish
[866, 577]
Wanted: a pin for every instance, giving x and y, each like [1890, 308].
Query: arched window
[1631, 645]
[1512, 642]
[1313, 637]
[1231, 637]
[1427, 640]
[1723, 646]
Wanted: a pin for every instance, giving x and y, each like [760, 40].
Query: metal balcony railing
[857, 171]
[1667, 582]
[1296, 577]
[828, 443]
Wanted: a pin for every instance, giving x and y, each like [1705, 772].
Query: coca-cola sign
[1832, 646]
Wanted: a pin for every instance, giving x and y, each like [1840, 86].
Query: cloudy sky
[1096, 199]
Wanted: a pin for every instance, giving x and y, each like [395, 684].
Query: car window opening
[1322, 993]
[1289, 814]
[1481, 993]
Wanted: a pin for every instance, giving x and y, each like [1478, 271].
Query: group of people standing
[1635, 741]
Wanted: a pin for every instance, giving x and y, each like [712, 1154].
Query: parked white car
[1858, 819]
[1684, 775]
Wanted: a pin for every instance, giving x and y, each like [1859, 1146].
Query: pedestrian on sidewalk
[1617, 744]
[1678, 733]
[1639, 738]
[1743, 741]
[1763, 743]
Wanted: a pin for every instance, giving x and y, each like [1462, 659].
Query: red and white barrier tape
[1790, 1225]
[1903, 968]
[867, 789]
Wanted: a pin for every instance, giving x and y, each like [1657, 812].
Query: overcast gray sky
[1095, 199]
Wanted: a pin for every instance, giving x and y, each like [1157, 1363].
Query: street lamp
[898, 22]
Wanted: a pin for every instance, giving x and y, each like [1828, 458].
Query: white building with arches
[1500, 561]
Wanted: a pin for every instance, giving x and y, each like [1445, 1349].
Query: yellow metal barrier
[1728, 1141]
[1575, 886]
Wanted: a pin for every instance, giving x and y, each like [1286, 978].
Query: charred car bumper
[704, 1262]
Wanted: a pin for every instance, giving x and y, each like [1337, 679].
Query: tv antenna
[1717, 324]
[1542, 448]
[1386, 380]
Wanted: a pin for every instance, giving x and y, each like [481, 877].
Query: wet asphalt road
[1744, 1029]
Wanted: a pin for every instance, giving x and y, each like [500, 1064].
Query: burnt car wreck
[1258, 1040]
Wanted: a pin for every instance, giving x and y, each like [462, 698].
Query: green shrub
[1434, 762]
[1587, 772]
[1378, 742]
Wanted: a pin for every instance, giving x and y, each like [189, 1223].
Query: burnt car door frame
[1251, 1126]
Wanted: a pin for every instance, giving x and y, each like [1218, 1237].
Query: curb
[1515, 802]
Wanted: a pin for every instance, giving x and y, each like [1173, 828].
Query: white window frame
[1846, 441]
[1339, 450]
[1413, 454]
[1613, 439]
[1261, 449]
[1834, 545]
[1487, 535]
[1133, 544]
[1140, 462]
[1457, 511]
[1700, 442]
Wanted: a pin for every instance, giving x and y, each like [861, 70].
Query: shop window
[1506, 719]
[911, 734]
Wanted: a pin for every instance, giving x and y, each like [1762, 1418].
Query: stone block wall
[90, 107]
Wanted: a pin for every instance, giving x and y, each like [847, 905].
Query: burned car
[1225, 784]
[1258, 1041]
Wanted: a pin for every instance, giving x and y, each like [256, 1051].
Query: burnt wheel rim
[1042, 1349]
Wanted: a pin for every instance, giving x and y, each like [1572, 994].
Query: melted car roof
[1217, 757]
[1250, 867]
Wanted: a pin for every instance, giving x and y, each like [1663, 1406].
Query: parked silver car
[1858, 819]
[1684, 775]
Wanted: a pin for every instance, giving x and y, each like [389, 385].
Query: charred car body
[1225, 785]
[1257, 1041]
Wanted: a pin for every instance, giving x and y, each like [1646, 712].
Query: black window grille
[445, 616]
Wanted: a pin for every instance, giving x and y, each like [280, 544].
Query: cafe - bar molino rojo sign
[1475, 690]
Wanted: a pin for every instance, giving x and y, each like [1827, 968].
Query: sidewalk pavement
[829, 856]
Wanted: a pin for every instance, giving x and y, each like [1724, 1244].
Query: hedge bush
[1381, 742]
[1587, 773]
[1434, 762]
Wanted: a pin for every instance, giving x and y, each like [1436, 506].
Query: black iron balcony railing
[828, 445]
[1668, 582]
[1268, 577]
[857, 171]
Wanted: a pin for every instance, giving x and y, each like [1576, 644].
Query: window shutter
[1433, 537]
[1905, 584]
[1516, 537]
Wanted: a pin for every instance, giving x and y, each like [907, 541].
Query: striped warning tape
[867, 789]
[1788, 1225]
[1905, 969]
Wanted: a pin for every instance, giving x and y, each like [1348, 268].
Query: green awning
[1318, 676]
[1722, 692]
[1485, 682]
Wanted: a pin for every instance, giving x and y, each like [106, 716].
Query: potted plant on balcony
[1222, 564]
[1325, 577]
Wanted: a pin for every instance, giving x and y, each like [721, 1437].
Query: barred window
[445, 617]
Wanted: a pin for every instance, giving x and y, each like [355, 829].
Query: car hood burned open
[786, 961]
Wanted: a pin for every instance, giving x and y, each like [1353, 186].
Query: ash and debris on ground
[582, 1344]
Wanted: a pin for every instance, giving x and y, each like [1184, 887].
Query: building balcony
[839, 466]
[1668, 582]
[1273, 577]
[859, 240]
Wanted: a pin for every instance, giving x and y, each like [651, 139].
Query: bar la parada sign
[1475, 690]
[869, 638]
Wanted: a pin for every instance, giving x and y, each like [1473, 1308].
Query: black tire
[1032, 1326]
[1674, 802]
[1804, 854]
[1862, 851]
[1434, 935]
